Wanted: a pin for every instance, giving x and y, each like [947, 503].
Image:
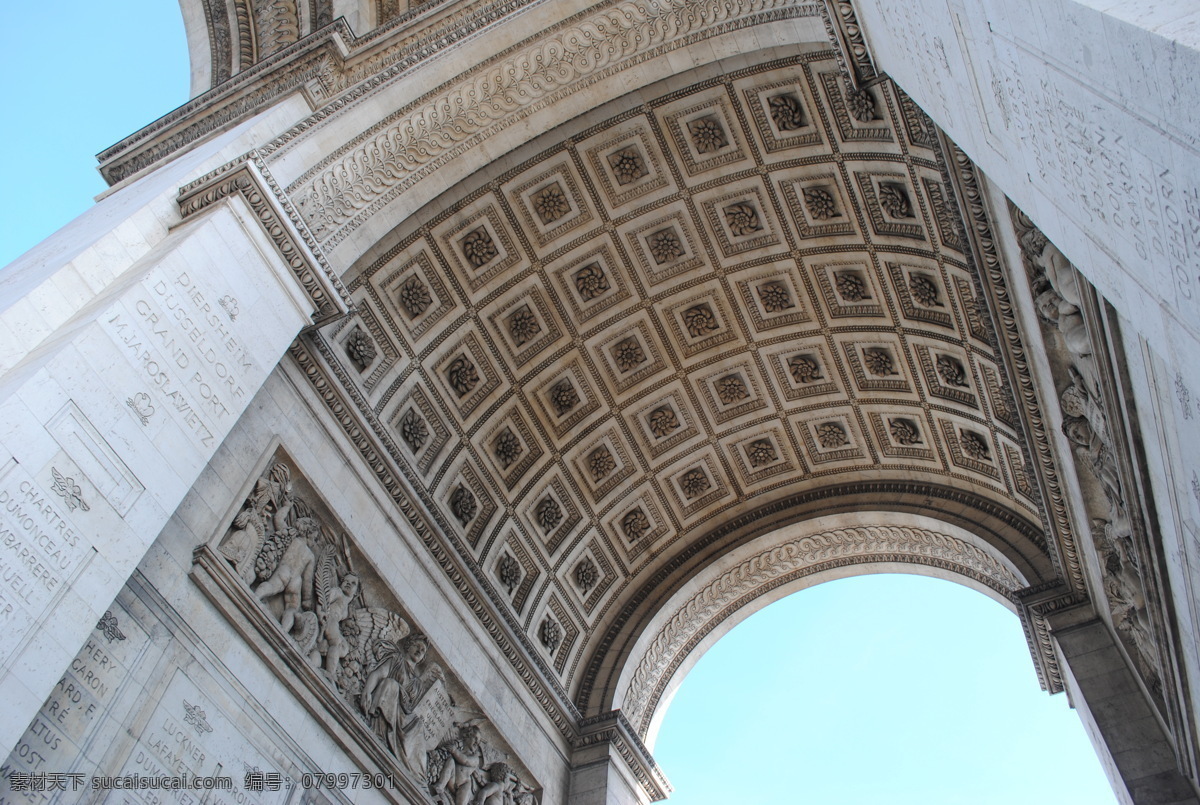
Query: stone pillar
[611, 766]
[1133, 744]
[1086, 114]
[125, 363]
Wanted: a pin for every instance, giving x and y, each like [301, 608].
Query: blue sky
[78, 78]
[888, 688]
[883, 689]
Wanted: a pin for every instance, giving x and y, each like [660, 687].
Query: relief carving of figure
[1058, 298]
[503, 787]
[293, 576]
[255, 523]
[1127, 599]
[242, 545]
[292, 563]
[458, 768]
[333, 607]
[395, 686]
[1077, 400]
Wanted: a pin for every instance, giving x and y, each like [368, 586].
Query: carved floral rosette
[335, 621]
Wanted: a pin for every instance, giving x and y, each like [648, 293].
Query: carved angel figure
[1059, 299]
[1126, 597]
[503, 787]
[333, 607]
[457, 768]
[368, 631]
[293, 576]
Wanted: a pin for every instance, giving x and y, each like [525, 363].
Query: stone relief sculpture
[303, 572]
[1059, 298]
[460, 773]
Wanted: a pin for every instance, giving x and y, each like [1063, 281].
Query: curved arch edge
[784, 561]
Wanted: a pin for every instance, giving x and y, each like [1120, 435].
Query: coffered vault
[716, 311]
[533, 345]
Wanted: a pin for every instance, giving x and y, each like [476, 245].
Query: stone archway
[593, 317]
[778, 564]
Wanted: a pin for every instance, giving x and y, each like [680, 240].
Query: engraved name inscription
[177, 338]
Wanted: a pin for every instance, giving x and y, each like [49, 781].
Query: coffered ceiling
[721, 308]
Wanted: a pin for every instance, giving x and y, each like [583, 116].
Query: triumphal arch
[431, 390]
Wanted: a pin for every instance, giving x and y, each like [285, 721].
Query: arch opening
[737, 583]
[879, 685]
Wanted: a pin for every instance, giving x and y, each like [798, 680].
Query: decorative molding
[614, 729]
[982, 242]
[841, 22]
[707, 608]
[334, 66]
[248, 178]
[1038, 605]
[318, 63]
[962, 182]
[362, 177]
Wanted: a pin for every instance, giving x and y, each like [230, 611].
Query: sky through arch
[886, 688]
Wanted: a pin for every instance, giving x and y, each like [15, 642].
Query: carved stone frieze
[250, 180]
[285, 555]
[1093, 430]
[844, 29]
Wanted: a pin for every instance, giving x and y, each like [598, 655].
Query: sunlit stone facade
[436, 386]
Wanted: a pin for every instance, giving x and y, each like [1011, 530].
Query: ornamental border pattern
[360, 178]
[982, 240]
[815, 503]
[614, 729]
[247, 178]
[314, 58]
[706, 609]
[841, 23]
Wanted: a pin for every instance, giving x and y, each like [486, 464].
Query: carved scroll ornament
[716, 601]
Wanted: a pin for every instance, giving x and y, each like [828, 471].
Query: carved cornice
[1039, 605]
[218, 109]
[721, 598]
[247, 178]
[1011, 348]
[614, 729]
[841, 22]
[317, 62]
[332, 60]
[359, 179]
